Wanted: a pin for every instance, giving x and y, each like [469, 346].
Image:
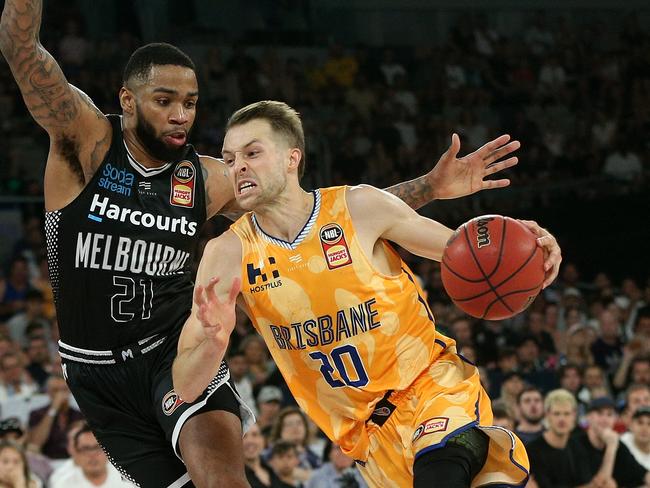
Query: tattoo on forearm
[416, 193]
[48, 96]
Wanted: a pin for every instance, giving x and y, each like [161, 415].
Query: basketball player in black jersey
[125, 198]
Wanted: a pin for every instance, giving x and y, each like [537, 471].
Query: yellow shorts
[442, 402]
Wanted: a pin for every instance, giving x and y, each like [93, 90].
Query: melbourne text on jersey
[101, 208]
[101, 251]
[326, 329]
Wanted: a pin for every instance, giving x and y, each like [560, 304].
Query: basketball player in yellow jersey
[343, 317]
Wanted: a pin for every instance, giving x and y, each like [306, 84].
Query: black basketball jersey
[120, 254]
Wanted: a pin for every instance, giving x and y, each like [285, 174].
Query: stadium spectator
[530, 405]
[239, 374]
[337, 470]
[606, 455]
[637, 440]
[269, 401]
[14, 288]
[14, 469]
[15, 381]
[94, 468]
[554, 460]
[284, 461]
[34, 312]
[48, 425]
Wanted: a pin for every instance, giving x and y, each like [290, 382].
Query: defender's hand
[216, 316]
[454, 177]
[552, 251]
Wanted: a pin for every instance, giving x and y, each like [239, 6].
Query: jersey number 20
[336, 357]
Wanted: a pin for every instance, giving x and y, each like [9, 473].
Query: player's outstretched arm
[205, 335]
[378, 214]
[454, 176]
[57, 106]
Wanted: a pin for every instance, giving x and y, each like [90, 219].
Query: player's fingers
[493, 145]
[234, 289]
[501, 152]
[534, 228]
[494, 184]
[209, 290]
[198, 295]
[492, 168]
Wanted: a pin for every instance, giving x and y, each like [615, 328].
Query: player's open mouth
[245, 186]
[176, 138]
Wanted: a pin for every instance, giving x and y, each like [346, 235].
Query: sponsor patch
[335, 247]
[182, 186]
[170, 402]
[382, 411]
[435, 424]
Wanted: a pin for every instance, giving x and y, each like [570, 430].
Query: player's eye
[162, 101]
[190, 104]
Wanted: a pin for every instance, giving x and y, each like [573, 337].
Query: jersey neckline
[301, 235]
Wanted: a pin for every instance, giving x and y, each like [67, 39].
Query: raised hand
[217, 316]
[552, 251]
[454, 176]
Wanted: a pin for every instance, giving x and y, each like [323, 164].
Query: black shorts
[136, 416]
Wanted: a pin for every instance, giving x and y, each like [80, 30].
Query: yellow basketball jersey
[341, 332]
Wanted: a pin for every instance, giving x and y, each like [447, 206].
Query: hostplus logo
[263, 278]
[116, 180]
[101, 208]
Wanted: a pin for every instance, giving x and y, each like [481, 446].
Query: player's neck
[138, 151]
[287, 215]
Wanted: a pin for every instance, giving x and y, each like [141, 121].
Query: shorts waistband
[115, 356]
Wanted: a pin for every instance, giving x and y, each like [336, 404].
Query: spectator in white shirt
[637, 439]
[95, 470]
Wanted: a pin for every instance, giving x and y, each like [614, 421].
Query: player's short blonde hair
[283, 119]
[560, 397]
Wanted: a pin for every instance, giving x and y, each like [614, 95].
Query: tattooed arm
[79, 132]
[454, 177]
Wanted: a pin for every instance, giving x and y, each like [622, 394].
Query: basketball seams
[512, 275]
[478, 265]
[514, 292]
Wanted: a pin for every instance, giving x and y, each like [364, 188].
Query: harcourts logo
[116, 180]
[102, 208]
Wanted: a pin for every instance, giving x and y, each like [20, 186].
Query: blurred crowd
[571, 374]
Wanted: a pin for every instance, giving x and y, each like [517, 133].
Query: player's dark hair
[528, 389]
[283, 119]
[154, 54]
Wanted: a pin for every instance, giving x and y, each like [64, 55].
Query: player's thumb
[454, 147]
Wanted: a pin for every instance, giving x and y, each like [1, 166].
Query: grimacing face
[258, 161]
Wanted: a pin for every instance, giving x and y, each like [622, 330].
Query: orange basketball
[492, 267]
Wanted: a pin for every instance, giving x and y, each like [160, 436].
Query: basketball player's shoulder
[365, 198]
[227, 247]
[220, 193]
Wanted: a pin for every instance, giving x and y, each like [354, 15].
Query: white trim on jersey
[87, 361]
[180, 481]
[90, 352]
[301, 235]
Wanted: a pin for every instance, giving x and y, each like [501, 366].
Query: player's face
[165, 109]
[257, 159]
[561, 418]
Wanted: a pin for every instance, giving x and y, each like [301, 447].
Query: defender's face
[165, 110]
[257, 160]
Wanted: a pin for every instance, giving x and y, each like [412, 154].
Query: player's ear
[127, 101]
[295, 155]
